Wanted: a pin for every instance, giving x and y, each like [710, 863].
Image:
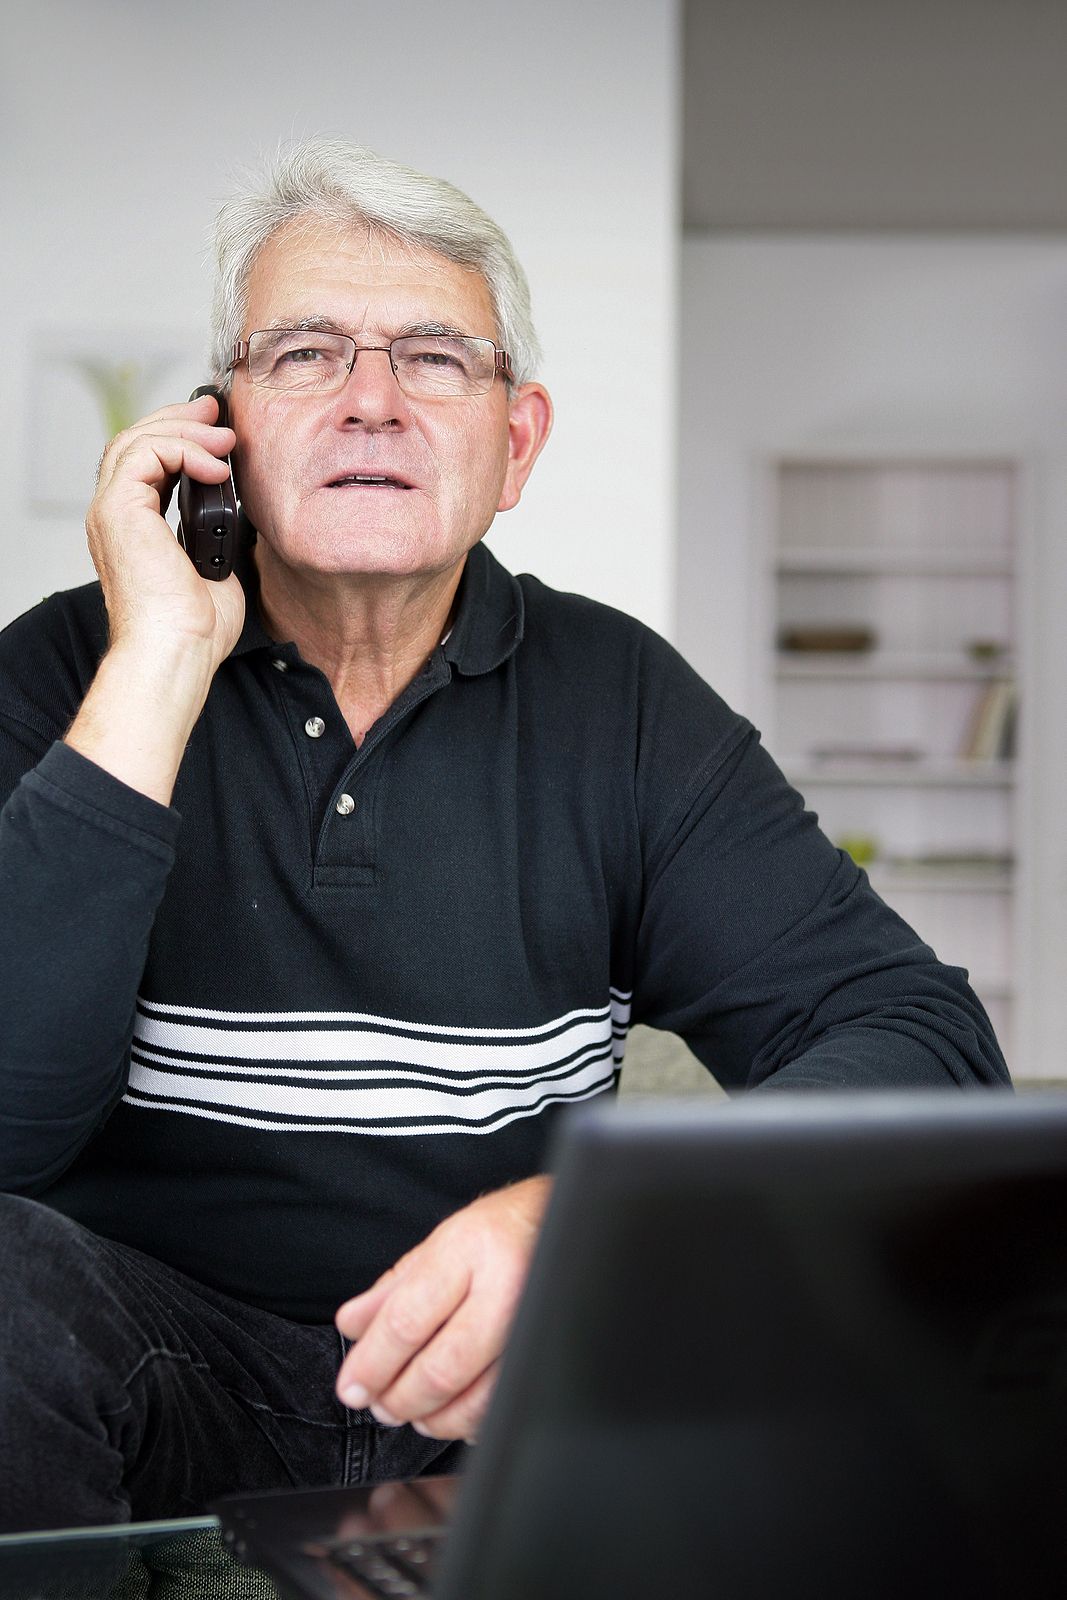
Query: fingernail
[386, 1418]
[355, 1395]
[420, 1427]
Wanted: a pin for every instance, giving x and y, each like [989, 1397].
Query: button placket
[344, 839]
[323, 745]
[345, 851]
[347, 847]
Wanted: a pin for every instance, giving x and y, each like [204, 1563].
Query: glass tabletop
[182, 1559]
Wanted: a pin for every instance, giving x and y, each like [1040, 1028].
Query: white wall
[124, 123]
[875, 343]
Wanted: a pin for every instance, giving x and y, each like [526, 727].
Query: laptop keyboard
[390, 1567]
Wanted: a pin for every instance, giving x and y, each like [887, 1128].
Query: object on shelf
[867, 752]
[862, 847]
[970, 861]
[991, 734]
[925, 773]
[894, 561]
[824, 638]
[918, 666]
[987, 649]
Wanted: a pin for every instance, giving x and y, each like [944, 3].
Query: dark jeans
[127, 1391]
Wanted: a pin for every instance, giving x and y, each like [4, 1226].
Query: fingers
[463, 1417]
[357, 1314]
[203, 412]
[195, 419]
[435, 1391]
[429, 1333]
[396, 1320]
[137, 474]
[445, 1367]
[151, 589]
[198, 415]
[151, 451]
[441, 1388]
[150, 460]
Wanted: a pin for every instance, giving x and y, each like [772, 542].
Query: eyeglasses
[427, 366]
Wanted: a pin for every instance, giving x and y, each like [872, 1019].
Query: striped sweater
[273, 1033]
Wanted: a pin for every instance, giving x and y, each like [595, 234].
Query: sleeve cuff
[77, 784]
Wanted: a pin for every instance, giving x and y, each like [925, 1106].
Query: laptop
[788, 1347]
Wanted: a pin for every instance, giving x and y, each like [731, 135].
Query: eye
[298, 357]
[432, 353]
[437, 358]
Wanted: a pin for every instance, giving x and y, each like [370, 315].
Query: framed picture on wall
[85, 385]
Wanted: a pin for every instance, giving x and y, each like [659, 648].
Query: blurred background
[800, 273]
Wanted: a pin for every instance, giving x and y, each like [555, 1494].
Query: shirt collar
[487, 627]
[489, 616]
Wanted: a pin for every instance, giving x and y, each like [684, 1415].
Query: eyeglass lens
[425, 364]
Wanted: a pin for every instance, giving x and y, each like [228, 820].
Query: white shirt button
[346, 805]
[314, 727]
[279, 665]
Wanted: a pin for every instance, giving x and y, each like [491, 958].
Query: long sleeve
[767, 950]
[83, 864]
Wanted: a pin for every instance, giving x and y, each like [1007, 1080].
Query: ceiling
[913, 115]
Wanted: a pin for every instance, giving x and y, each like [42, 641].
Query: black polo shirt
[368, 982]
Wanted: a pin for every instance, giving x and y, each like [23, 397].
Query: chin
[369, 549]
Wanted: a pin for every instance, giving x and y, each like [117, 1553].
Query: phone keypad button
[345, 805]
[314, 727]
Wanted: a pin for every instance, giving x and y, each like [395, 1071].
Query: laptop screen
[809, 1346]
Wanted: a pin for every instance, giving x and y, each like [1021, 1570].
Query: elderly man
[330, 886]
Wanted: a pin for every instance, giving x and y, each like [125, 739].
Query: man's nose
[370, 394]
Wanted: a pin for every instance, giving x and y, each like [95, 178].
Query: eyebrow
[306, 324]
[442, 328]
[328, 325]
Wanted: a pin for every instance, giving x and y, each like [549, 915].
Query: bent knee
[38, 1245]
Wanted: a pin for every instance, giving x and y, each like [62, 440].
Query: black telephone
[207, 512]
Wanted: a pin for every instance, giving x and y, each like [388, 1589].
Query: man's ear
[529, 425]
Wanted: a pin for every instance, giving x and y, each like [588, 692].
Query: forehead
[362, 279]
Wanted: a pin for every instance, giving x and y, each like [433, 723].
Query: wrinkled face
[449, 462]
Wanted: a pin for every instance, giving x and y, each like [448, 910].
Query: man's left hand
[431, 1331]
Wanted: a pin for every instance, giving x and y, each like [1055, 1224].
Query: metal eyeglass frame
[239, 352]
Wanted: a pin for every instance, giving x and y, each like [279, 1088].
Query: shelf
[886, 562]
[888, 665]
[902, 774]
[890, 880]
[915, 562]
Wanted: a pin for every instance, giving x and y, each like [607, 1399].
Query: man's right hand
[169, 628]
[151, 587]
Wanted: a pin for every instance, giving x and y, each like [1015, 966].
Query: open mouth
[367, 480]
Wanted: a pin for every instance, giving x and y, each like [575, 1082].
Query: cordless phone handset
[207, 512]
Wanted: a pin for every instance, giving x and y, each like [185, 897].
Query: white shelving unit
[909, 747]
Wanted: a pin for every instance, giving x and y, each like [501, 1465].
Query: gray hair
[344, 184]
